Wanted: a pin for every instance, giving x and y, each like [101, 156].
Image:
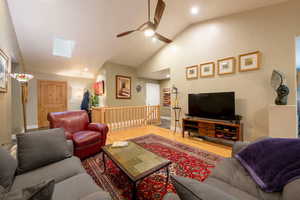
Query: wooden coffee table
[136, 162]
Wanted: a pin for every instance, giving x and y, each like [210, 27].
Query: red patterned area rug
[187, 161]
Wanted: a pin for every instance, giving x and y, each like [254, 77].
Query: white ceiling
[93, 24]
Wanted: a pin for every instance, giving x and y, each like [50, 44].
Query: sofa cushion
[84, 138]
[97, 196]
[231, 172]
[77, 187]
[291, 190]
[171, 196]
[8, 166]
[190, 189]
[41, 191]
[59, 171]
[40, 148]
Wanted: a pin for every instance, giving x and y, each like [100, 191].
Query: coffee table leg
[104, 163]
[167, 179]
[134, 195]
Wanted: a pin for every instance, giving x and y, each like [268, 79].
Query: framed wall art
[207, 70]
[4, 65]
[226, 66]
[167, 97]
[249, 61]
[99, 88]
[123, 87]
[192, 72]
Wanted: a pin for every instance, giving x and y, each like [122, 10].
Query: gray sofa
[71, 180]
[229, 181]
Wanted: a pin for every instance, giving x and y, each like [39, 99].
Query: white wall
[76, 88]
[271, 30]
[9, 44]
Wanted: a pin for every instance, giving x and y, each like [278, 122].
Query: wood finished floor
[118, 135]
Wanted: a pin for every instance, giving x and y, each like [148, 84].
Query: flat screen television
[212, 105]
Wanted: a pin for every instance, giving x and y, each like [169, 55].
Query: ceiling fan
[149, 28]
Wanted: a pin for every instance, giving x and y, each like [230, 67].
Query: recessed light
[86, 69]
[168, 75]
[194, 10]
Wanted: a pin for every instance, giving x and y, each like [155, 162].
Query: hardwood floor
[221, 150]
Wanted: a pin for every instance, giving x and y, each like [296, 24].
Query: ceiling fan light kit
[149, 28]
[149, 32]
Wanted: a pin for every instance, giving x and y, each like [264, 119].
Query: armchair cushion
[84, 138]
[40, 148]
[98, 127]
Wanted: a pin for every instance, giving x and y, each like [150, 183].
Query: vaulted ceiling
[93, 25]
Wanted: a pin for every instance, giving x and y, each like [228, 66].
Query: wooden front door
[52, 97]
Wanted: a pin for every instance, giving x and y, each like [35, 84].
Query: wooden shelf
[211, 128]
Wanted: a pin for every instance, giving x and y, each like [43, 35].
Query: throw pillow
[42, 191]
[40, 148]
[189, 189]
[8, 166]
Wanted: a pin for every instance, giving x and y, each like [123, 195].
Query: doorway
[52, 97]
[152, 94]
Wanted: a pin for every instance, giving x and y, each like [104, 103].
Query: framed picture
[192, 72]
[249, 61]
[167, 97]
[4, 65]
[207, 69]
[99, 88]
[226, 66]
[123, 87]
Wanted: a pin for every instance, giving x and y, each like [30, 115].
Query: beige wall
[76, 88]
[271, 30]
[165, 111]
[108, 73]
[9, 44]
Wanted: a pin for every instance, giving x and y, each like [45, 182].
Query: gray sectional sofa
[71, 180]
[229, 181]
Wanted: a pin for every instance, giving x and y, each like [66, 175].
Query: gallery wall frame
[249, 61]
[207, 70]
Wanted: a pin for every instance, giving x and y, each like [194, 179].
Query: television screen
[212, 105]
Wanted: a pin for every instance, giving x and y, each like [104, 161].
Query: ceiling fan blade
[125, 33]
[161, 5]
[162, 38]
[142, 27]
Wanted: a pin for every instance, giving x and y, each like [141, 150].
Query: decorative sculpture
[277, 82]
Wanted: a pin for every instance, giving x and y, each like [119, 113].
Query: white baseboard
[32, 126]
[164, 117]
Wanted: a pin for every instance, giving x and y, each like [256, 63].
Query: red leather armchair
[88, 138]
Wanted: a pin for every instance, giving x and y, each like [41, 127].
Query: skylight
[63, 48]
